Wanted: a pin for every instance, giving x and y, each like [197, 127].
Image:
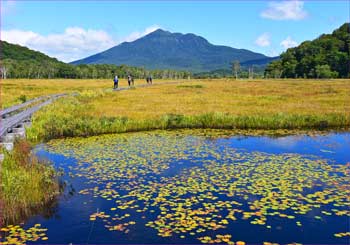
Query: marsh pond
[197, 186]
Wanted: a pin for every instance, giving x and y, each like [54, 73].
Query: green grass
[26, 183]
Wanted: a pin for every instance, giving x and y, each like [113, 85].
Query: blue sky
[71, 30]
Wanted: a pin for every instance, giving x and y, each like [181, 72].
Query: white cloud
[287, 142]
[74, 43]
[263, 40]
[285, 10]
[136, 35]
[288, 43]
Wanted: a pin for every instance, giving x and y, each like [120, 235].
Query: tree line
[47, 69]
[325, 57]
[237, 72]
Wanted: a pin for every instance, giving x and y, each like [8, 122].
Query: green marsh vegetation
[26, 183]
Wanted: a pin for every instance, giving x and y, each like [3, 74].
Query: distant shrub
[22, 98]
[191, 86]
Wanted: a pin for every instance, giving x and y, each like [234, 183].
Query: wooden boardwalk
[14, 116]
[11, 119]
[6, 112]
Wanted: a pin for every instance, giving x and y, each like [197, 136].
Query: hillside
[21, 62]
[328, 56]
[165, 50]
[20, 53]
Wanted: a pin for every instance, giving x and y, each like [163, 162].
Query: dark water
[70, 220]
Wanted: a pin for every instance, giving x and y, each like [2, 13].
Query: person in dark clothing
[129, 80]
[149, 79]
[116, 82]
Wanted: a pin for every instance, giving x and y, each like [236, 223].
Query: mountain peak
[159, 32]
[163, 49]
[189, 38]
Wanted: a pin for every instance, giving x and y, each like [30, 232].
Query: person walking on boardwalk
[116, 82]
[129, 80]
[149, 79]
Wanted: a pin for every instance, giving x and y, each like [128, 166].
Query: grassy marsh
[260, 97]
[14, 90]
[220, 104]
[26, 183]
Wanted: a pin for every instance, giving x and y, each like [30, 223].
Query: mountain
[327, 56]
[165, 50]
[21, 62]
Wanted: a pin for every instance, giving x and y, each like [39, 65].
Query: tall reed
[26, 182]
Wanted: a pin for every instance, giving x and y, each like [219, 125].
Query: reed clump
[26, 182]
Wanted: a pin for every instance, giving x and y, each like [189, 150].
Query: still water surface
[193, 187]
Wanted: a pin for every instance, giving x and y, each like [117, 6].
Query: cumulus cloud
[136, 35]
[263, 40]
[285, 10]
[288, 43]
[74, 43]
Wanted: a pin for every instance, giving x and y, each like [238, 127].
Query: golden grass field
[238, 97]
[228, 96]
[12, 89]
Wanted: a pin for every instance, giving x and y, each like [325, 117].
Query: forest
[324, 57]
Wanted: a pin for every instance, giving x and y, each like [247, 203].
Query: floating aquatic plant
[16, 235]
[188, 185]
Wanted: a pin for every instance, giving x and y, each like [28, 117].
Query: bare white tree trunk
[3, 71]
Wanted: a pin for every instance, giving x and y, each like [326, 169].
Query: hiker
[129, 80]
[116, 82]
[149, 79]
